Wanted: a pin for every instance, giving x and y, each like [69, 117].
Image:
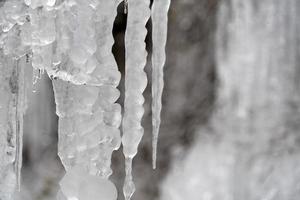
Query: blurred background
[230, 121]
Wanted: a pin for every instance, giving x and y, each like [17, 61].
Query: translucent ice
[89, 118]
[12, 106]
[78, 184]
[72, 41]
[159, 16]
[135, 83]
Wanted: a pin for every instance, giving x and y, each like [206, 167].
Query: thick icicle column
[71, 40]
[89, 118]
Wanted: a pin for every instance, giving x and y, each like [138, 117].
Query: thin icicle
[20, 110]
[12, 105]
[159, 16]
[135, 84]
[12, 92]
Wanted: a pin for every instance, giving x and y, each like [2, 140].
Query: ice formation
[135, 83]
[89, 117]
[159, 16]
[12, 101]
[71, 40]
[12, 105]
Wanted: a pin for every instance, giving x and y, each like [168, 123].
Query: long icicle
[13, 101]
[159, 15]
[12, 105]
[135, 84]
[20, 110]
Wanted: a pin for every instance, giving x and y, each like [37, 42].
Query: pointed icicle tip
[129, 187]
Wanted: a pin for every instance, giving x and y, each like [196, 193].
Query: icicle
[159, 16]
[135, 83]
[20, 110]
[12, 103]
[12, 106]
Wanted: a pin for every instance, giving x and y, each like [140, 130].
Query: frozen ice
[159, 16]
[12, 105]
[71, 40]
[135, 83]
[85, 98]
[79, 184]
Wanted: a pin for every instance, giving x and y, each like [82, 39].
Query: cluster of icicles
[71, 40]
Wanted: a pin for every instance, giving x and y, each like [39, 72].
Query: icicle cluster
[72, 41]
[136, 80]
